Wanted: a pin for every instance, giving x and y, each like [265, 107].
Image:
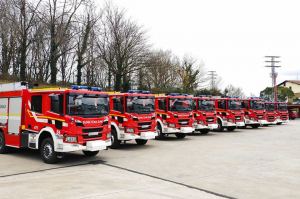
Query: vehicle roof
[66, 90]
[131, 94]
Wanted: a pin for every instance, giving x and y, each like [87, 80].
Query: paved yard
[251, 163]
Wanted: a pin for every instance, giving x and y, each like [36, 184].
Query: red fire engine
[132, 117]
[255, 114]
[282, 112]
[229, 113]
[53, 120]
[271, 115]
[174, 115]
[204, 114]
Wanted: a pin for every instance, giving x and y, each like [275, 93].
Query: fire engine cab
[282, 112]
[174, 115]
[255, 114]
[204, 114]
[132, 117]
[271, 115]
[54, 121]
[229, 113]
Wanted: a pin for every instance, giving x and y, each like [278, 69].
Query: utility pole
[213, 78]
[271, 61]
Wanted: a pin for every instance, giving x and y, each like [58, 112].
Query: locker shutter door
[14, 115]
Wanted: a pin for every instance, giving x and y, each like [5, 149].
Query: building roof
[291, 81]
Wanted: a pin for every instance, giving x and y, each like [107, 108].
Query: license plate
[210, 120]
[184, 122]
[145, 126]
[93, 133]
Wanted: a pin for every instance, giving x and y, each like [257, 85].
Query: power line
[213, 78]
[271, 61]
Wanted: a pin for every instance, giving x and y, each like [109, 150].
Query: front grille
[89, 130]
[87, 136]
[237, 118]
[209, 119]
[183, 121]
[144, 126]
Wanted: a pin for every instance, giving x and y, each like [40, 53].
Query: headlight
[230, 120]
[108, 135]
[71, 139]
[130, 130]
[172, 125]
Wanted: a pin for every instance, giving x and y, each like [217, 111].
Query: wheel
[141, 142]
[90, 153]
[220, 127]
[47, 152]
[204, 131]
[180, 135]
[3, 148]
[279, 123]
[115, 142]
[231, 128]
[255, 126]
[160, 134]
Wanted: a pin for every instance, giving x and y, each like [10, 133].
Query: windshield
[282, 107]
[270, 107]
[87, 105]
[206, 105]
[257, 105]
[140, 104]
[234, 105]
[181, 104]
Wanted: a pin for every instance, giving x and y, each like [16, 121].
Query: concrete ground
[248, 163]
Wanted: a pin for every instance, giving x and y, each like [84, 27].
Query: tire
[255, 126]
[204, 131]
[115, 142]
[159, 132]
[180, 135]
[220, 127]
[3, 148]
[90, 153]
[141, 142]
[47, 152]
[279, 123]
[231, 128]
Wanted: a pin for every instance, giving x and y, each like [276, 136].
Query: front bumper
[226, 124]
[263, 122]
[251, 122]
[187, 129]
[96, 145]
[282, 121]
[240, 124]
[213, 126]
[200, 126]
[148, 135]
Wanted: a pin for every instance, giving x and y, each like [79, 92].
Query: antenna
[272, 61]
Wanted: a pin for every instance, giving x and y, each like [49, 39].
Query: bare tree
[123, 46]
[59, 15]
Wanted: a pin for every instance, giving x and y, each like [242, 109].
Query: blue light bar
[93, 88]
[139, 91]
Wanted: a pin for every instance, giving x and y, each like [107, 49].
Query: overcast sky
[230, 36]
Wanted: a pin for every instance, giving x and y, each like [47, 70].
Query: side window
[162, 104]
[118, 104]
[221, 104]
[36, 103]
[57, 103]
